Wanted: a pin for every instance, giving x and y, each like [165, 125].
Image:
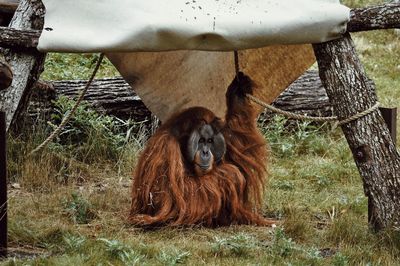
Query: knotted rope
[304, 117]
[314, 118]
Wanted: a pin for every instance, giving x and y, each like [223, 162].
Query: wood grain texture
[111, 96]
[386, 16]
[375, 154]
[26, 66]
[18, 39]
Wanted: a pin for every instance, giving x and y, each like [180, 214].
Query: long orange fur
[166, 192]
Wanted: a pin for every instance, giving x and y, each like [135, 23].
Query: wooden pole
[3, 186]
[385, 16]
[369, 138]
[26, 66]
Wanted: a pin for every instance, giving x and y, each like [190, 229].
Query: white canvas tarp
[170, 81]
[161, 25]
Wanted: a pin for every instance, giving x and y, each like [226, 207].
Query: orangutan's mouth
[203, 167]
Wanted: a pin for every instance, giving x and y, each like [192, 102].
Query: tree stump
[375, 154]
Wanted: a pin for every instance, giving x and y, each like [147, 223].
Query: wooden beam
[369, 138]
[386, 16]
[18, 39]
[114, 96]
[3, 186]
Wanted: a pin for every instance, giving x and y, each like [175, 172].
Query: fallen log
[305, 96]
[115, 97]
[112, 96]
[19, 39]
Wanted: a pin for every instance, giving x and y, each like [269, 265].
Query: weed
[296, 224]
[173, 257]
[389, 240]
[323, 181]
[283, 184]
[300, 138]
[20, 232]
[238, 245]
[91, 136]
[340, 260]
[73, 242]
[79, 209]
[122, 252]
[314, 254]
[348, 230]
[276, 133]
[282, 245]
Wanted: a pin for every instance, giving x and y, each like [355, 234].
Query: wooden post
[374, 152]
[3, 186]
[26, 66]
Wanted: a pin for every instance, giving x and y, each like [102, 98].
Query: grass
[71, 204]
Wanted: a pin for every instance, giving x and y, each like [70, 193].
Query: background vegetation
[67, 206]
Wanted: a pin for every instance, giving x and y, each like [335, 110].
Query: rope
[314, 118]
[70, 113]
[304, 117]
[251, 97]
[359, 115]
